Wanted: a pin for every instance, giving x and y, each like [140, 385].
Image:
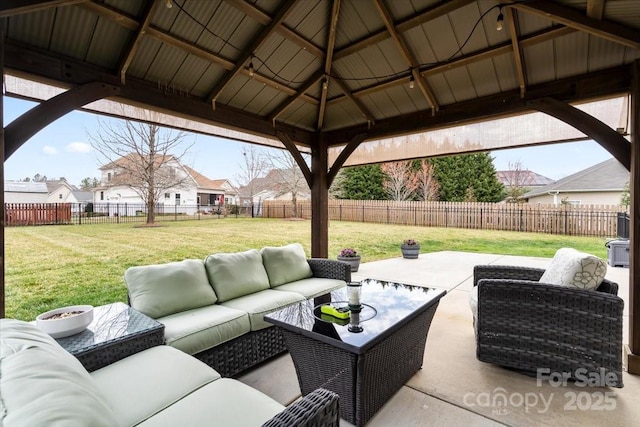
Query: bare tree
[515, 185]
[400, 182]
[142, 157]
[426, 182]
[254, 166]
[286, 176]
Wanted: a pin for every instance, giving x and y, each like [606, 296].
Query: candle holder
[354, 290]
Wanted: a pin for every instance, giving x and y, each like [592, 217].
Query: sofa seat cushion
[285, 264]
[225, 402]
[43, 385]
[233, 275]
[313, 287]
[141, 385]
[197, 330]
[163, 289]
[575, 269]
[261, 303]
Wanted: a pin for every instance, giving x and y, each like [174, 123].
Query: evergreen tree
[359, 183]
[468, 176]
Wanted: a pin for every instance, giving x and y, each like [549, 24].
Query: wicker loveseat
[213, 309]
[546, 329]
[44, 385]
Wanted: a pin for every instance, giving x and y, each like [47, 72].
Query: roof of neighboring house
[83, 196]
[55, 183]
[609, 175]
[524, 178]
[25, 187]
[204, 182]
[271, 182]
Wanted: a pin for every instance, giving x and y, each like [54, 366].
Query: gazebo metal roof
[323, 76]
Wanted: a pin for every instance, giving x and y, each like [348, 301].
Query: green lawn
[53, 266]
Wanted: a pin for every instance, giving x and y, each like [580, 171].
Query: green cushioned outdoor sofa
[213, 309]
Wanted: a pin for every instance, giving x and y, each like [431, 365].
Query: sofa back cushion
[573, 268]
[43, 385]
[285, 264]
[163, 289]
[233, 275]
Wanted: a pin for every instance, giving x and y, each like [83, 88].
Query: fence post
[175, 212]
[363, 212]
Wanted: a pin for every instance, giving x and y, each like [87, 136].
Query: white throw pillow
[573, 268]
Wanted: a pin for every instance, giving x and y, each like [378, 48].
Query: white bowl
[64, 327]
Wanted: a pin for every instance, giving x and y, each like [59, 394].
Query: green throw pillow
[163, 289]
[285, 264]
[233, 275]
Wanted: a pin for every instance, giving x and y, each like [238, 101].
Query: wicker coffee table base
[365, 381]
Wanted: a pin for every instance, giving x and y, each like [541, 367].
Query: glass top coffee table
[117, 331]
[364, 365]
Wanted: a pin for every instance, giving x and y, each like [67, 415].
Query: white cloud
[47, 149]
[78, 147]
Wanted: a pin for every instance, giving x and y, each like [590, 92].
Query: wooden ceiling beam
[419, 18]
[18, 7]
[359, 104]
[491, 52]
[595, 9]
[189, 47]
[577, 88]
[253, 46]
[297, 156]
[137, 38]
[512, 23]
[328, 60]
[49, 67]
[409, 57]
[299, 93]
[264, 19]
[616, 33]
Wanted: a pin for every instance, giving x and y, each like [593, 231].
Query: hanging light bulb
[251, 72]
[168, 4]
[325, 83]
[500, 21]
[412, 82]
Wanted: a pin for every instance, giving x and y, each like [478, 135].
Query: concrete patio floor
[453, 388]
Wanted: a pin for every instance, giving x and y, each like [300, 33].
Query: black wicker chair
[548, 329]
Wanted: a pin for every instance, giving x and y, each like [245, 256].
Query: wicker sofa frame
[321, 408]
[527, 325]
[235, 356]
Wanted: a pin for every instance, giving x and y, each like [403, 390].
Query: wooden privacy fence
[37, 213]
[584, 220]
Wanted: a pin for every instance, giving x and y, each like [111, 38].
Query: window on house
[167, 195]
[102, 195]
[60, 196]
[109, 176]
[177, 198]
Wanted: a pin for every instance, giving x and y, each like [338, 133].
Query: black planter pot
[410, 251]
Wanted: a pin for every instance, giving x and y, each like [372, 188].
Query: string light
[500, 21]
[325, 83]
[168, 4]
[251, 72]
[412, 82]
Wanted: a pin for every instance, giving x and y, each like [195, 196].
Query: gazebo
[349, 82]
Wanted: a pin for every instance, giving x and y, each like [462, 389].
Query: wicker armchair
[527, 325]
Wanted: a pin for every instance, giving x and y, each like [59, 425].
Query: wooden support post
[320, 198]
[633, 352]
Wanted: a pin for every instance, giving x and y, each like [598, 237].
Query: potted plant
[410, 249]
[351, 257]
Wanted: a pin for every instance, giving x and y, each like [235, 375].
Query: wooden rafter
[18, 7]
[419, 18]
[595, 9]
[264, 19]
[328, 60]
[255, 44]
[137, 38]
[291, 147]
[299, 93]
[173, 40]
[408, 56]
[512, 23]
[616, 33]
[491, 52]
[359, 104]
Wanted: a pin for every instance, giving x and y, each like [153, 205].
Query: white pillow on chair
[576, 269]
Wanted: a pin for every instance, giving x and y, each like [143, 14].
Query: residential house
[188, 191]
[276, 185]
[600, 184]
[25, 192]
[230, 191]
[60, 191]
[523, 178]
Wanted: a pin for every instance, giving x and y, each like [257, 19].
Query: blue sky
[62, 150]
